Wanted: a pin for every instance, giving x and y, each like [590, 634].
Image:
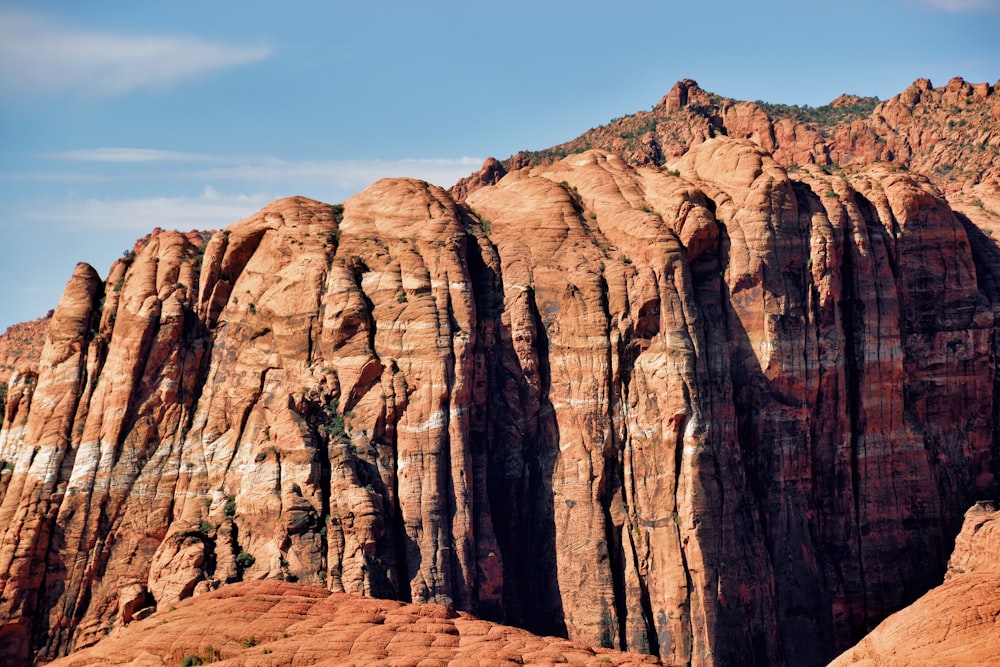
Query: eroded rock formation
[724, 413]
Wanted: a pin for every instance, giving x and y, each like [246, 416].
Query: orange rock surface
[282, 624]
[726, 412]
[956, 623]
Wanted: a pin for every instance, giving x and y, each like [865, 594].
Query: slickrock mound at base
[958, 622]
[279, 623]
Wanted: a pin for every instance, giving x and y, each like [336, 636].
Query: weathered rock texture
[282, 624]
[956, 623]
[725, 414]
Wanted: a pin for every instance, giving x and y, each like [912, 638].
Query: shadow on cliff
[804, 632]
[520, 446]
[842, 558]
[986, 255]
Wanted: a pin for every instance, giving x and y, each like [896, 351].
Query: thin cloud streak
[209, 210]
[960, 6]
[128, 155]
[352, 175]
[264, 171]
[39, 57]
[267, 177]
[55, 177]
[332, 181]
[327, 180]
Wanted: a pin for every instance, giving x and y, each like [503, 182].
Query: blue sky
[118, 117]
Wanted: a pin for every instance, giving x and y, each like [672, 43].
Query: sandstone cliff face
[20, 351]
[954, 623]
[725, 414]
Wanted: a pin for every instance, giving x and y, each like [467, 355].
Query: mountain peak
[680, 95]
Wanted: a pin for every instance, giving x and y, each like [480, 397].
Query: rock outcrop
[20, 352]
[725, 414]
[955, 623]
[947, 134]
[280, 624]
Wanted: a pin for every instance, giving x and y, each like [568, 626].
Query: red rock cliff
[723, 414]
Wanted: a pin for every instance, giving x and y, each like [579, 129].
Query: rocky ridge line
[948, 134]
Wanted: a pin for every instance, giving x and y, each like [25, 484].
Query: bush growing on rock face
[244, 560]
[210, 656]
[333, 426]
[825, 117]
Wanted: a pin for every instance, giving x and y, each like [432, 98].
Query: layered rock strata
[724, 414]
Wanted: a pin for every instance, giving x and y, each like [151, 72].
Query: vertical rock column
[41, 455]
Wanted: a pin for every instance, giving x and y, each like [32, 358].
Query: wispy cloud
[40, 57]
[959, 6]
[208, 210]
[268, 172]
[350, 175]
[257, 180]
[128, 155]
